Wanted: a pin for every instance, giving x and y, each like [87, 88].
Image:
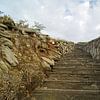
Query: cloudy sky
[76, 20]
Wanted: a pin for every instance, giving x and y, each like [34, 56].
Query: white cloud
[68, 17]
[76, 20]
[98, 27]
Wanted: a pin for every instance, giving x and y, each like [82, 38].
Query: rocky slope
[25, 57]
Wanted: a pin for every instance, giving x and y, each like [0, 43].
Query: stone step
[66, 64]
[69, 94]
[75, 68]
[76, 61]
[74, 76]
[78, 51]
[78, 55]
[77, 72]
[76, 58]
[71, 84]
[67, 91]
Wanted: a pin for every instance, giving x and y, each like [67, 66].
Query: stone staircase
[75, 77]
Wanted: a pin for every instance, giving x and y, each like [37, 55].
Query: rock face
[25, 58]
[93, 47]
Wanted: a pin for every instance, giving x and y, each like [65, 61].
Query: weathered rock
[25, 31]
[54, 54]
[3, 66]
[2, 29]
[93, 47]
[3, 26]
[46, 66]
[9, 56]
[6, 20]
[6, 42]
[49, 61]
[5, 34]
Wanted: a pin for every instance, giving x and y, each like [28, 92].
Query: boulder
[2, 29]
[9, 56]
[3, 26]
[5, 34]
[49, 61]
[27, 31]
[46, 66]
[6, 42]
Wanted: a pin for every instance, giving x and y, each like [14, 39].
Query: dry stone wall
[93, 47]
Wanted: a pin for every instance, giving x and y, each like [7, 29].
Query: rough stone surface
[74, 77]
[49, 61]
[9, 56]
[25, 58]
[93, 47]
[6, 42]
[3, 66]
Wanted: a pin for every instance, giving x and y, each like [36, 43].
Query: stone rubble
[25, 56]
